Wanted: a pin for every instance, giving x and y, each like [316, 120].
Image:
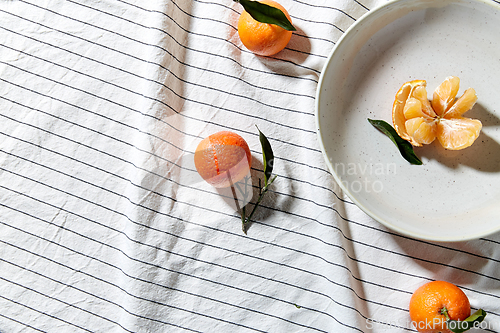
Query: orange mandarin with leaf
[429, 303]
[263, 38]
[223, 159]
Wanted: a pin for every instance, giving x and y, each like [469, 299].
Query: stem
[444, 311]
[243, 214]
[261, 195]
[235, 197]
[262, 192]
[245, 194]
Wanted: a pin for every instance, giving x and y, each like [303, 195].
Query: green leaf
[266, 14]
[459, 326]
[267, 156]
[405, 148]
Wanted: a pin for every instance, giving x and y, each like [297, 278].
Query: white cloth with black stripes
[105, 225]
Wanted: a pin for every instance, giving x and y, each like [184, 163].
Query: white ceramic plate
[454, 195]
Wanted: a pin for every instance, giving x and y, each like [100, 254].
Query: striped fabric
[105, 225]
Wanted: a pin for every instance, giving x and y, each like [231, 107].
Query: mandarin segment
[462, 105]
[458, 133]
[445, 94]
[419, 121]
[420, 93]
[413, 108]
[424, 132]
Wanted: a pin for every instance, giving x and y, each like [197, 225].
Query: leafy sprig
[268, 161]
[266, 14]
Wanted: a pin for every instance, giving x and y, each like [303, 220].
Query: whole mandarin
[428, 301]
[223, 159]
[263, 38]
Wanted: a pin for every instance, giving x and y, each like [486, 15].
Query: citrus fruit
[263, 38]
[420, 121]
[428, 301]
[223, 159]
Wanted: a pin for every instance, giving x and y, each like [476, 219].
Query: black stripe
[19, 322]
[359, 3]
[33, 309]
[326, 7]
